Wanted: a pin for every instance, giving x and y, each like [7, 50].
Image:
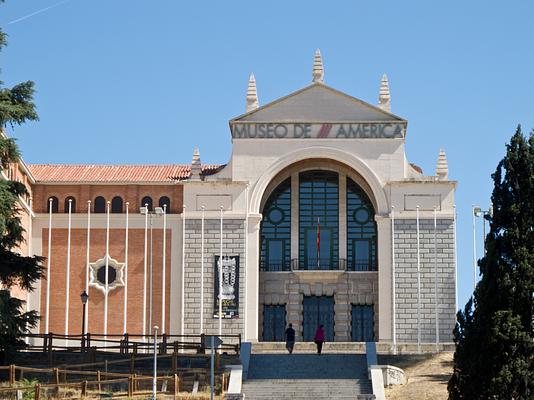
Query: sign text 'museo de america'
[361, 130]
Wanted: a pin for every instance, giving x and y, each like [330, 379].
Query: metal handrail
[323, 264]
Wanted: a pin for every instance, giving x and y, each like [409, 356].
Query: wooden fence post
[130, 386]
[11, 375]
[50, 348]
[98, 380]
[56, 376]
[176, 386]
[132, 363]
[84, 389]
[37, 392]
[164, 344]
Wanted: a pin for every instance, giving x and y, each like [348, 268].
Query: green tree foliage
[494, 356]
[16, 107]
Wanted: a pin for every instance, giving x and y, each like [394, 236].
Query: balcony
[323, 264]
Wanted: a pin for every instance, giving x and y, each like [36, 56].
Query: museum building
[317, 218]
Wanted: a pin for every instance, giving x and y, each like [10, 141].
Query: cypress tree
[494, 356]
[16, 270]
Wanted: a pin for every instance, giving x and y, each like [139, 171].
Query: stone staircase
[307, 376]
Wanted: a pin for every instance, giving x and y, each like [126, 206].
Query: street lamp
[155, 378]
[486, 215]
[158, 211]
[84, 297]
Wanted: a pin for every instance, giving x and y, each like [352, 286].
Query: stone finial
[442, 168]
[252, 94]
[196, 166]
[384, 97]
[318, 69]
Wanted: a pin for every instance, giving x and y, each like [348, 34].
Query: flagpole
[393, 281]
[318, 243]
[164, 268]
[125, 317]
[202, 273]
[418, 286]
[474, 249]
[144, 271]
[87, 261]
[48, 264]
[182, 289]
[455, 264]
[106, 279]
[436, 278]
[67, 285]
[245, 273]
[220, 274]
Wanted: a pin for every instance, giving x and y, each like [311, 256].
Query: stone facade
[348, 288]
[233, 245]
[406, 279]
[315, 128]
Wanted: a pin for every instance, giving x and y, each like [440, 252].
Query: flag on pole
[318, 242]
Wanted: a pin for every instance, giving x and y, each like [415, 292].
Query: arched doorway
[318, 253]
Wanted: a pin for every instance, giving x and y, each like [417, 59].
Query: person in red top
[319, 339]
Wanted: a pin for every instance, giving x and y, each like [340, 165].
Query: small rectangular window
[362, 255]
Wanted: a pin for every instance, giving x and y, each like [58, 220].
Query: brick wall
[96, 297]
[129, 193]
[406, 279]
[233, 245]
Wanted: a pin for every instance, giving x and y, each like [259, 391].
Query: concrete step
[307, 366]
[307, 376]
[349, 347]
[309, 347]
[307, 389]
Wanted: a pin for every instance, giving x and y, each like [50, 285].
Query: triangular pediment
[318, 103]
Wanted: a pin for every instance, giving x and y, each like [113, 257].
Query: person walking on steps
[319, 339]
[290, 338]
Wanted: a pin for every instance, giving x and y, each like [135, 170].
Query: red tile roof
[45, 173]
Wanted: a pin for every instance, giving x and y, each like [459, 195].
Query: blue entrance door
[274, 323]
[318, 310]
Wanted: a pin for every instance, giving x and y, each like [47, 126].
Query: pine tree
[16, 107]
[494, 356]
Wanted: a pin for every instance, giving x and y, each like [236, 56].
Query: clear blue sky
[146, 81]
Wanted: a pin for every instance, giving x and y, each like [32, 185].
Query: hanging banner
[230, 287]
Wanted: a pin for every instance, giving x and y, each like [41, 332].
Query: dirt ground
[427, 378]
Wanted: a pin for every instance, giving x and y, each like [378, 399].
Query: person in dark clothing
[290, 338]
[319, 339]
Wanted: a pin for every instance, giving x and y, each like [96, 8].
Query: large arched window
[318, 220]
[73, 204]
[116, 205]
[55, 204]
[361, 230]
[165, 201]
[276, 230]
[147, 200]
[100, 205]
